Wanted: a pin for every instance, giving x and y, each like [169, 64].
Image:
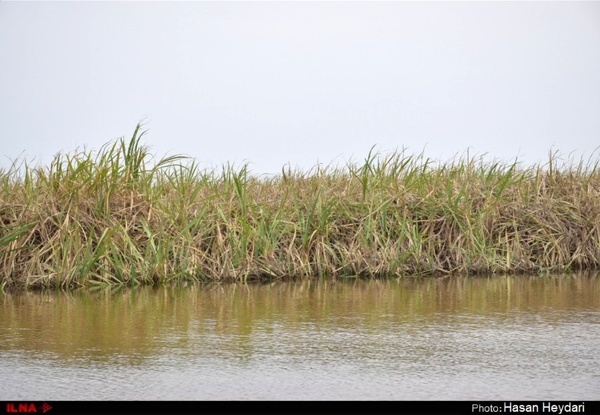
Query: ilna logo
[27, 408]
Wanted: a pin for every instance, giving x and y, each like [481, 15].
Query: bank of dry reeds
[117, 216]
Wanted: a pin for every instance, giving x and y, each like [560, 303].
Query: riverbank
[119, 217]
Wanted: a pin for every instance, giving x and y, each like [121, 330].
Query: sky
[301, 84]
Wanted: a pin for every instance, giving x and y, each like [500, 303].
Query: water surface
[457, 338]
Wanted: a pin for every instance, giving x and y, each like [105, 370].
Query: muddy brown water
[456, 338]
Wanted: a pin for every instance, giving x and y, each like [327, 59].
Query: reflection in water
[452, 338]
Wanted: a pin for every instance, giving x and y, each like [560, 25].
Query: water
[498, 338]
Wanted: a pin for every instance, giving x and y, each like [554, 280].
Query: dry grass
[118, 217]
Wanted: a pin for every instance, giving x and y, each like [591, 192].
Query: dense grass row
[117, 216]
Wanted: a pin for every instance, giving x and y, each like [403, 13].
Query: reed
[119, 217]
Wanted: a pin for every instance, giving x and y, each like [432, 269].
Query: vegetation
[115, 217]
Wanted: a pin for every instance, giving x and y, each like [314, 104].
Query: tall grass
[118, 216]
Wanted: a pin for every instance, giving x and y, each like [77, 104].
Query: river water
[456, 338]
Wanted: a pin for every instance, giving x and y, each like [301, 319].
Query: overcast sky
[272, 83]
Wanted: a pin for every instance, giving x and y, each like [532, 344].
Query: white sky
[271, 83]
